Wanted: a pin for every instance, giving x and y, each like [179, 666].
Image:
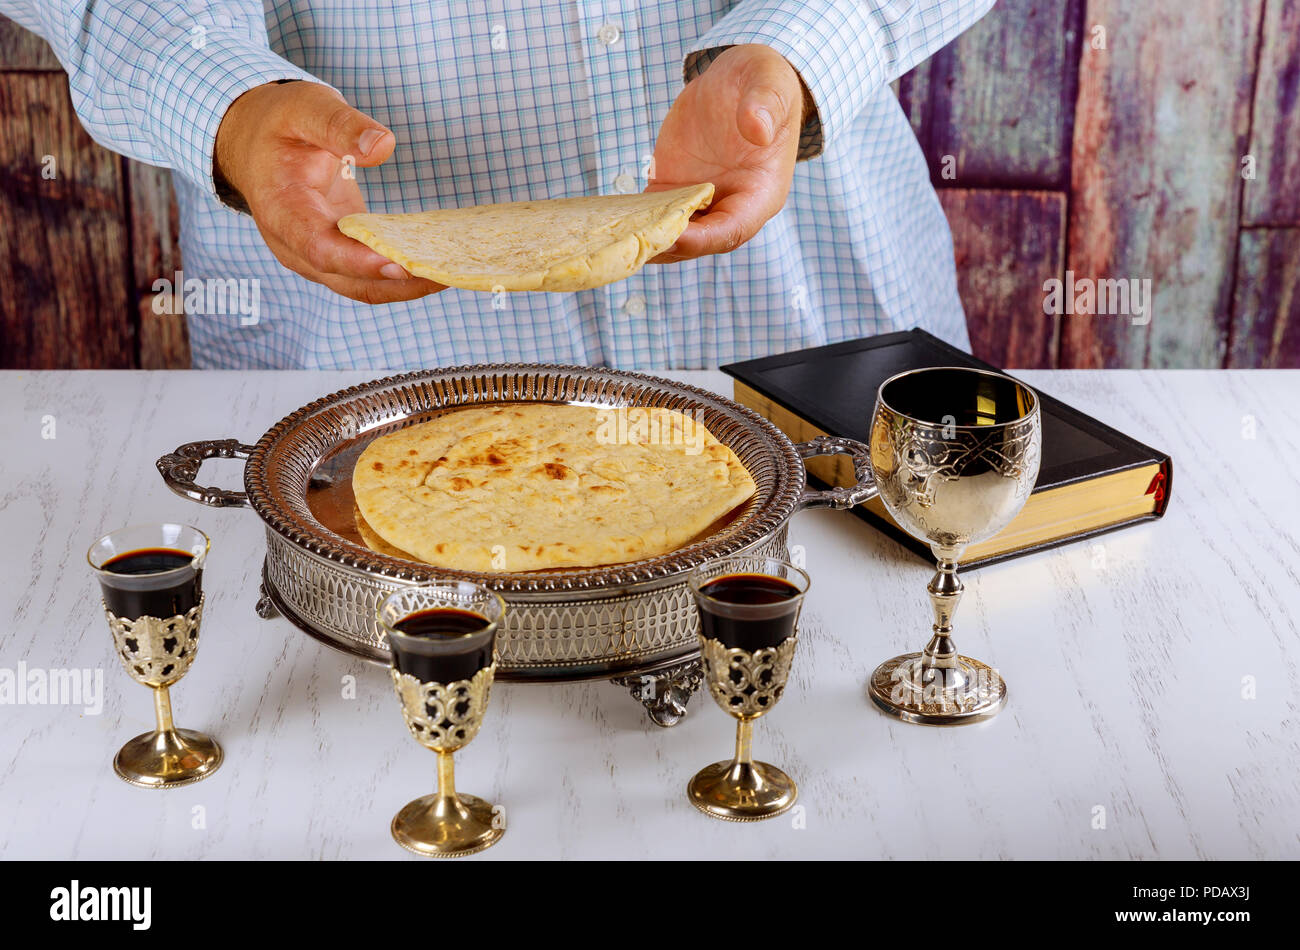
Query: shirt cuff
[832, 45]
[194, 82]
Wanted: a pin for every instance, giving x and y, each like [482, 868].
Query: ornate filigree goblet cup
[442, 638]
[151, 577]
[748, 610]
[955, 452]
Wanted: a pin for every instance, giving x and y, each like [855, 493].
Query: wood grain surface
[1000, 99]
[23, 50]
[155, 253]
[1152, 712]
[1273, 196]
[1006, 245]
[1155, 177]
[64, 246]
[1266, 311]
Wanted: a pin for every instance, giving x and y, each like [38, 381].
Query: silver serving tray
[619, 620]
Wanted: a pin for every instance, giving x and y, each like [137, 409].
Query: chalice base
[167, 759]
[436, 828]
[742, 791]
[902, 687]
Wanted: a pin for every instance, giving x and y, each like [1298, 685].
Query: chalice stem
[448, 802]
[945, 593]
[162, 706]
[744, 737]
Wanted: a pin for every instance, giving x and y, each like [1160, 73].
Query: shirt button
[634, 305]
[625, 184]
[608, 34]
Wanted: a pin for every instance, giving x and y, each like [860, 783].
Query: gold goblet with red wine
[151, 578]
[748, 607]
[442, 638]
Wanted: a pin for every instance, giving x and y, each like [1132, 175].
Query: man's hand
[286, 148]
[737, 125]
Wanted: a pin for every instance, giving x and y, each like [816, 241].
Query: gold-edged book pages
[1051, 515]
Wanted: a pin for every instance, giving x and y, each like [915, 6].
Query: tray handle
[180, 469]
[839, 497]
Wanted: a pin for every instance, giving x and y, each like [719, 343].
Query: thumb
[338, 128]
[767, 100]
[762, 113]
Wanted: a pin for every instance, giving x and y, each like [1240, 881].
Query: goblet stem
[945, 594]
[167, 756]
[937, 685]
[162, 705]
[448, 802]
[444, 824]
[744, 737]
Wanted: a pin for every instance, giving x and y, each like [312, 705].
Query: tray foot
[664, 693]
[265, 606]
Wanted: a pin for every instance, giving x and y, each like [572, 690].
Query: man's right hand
[286, 148]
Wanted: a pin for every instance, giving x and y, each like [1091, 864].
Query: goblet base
[902, 688]
[167, 759]
[742, 791]
[436, 828]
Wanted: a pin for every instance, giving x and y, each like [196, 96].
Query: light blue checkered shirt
[523, 99]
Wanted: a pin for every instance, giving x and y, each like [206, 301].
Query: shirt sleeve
[844, 50]
[152, 80]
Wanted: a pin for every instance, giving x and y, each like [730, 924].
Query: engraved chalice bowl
[749, 607]
[151, 578]
[955, 452]
[442, 638]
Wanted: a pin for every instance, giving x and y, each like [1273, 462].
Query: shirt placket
[635, 336]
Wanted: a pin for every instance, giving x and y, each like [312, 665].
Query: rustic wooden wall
[1101, 138]
[1111, 139]
[83, 232]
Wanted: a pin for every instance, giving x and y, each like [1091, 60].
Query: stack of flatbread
[562, 244]
[531, 486]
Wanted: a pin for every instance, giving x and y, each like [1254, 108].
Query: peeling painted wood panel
[155, 253]
[1273, 196]
[63, 239]
[1266, 311]
[164, 335]
[22, 49]
[155, 225]
[1163, 117]
[1007, 244]
[1000, 99]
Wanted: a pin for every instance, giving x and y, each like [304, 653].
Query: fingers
[367, 291]
[728, 224]
[383, 291]
[761, 115]
[387, 284]
[301, 219]
[769, 100]
[332, 124]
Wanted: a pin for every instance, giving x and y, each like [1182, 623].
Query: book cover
[1093, 478]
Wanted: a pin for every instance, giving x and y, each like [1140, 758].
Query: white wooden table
[1154, 710]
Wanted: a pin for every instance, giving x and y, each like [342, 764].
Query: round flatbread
[531, 486]
[562, 244]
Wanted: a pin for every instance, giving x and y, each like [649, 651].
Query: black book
[1092, 479]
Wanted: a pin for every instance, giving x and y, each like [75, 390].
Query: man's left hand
[737, 125]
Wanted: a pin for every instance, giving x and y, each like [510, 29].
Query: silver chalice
[955, 452]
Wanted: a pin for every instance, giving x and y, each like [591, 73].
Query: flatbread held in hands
[562, 244]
